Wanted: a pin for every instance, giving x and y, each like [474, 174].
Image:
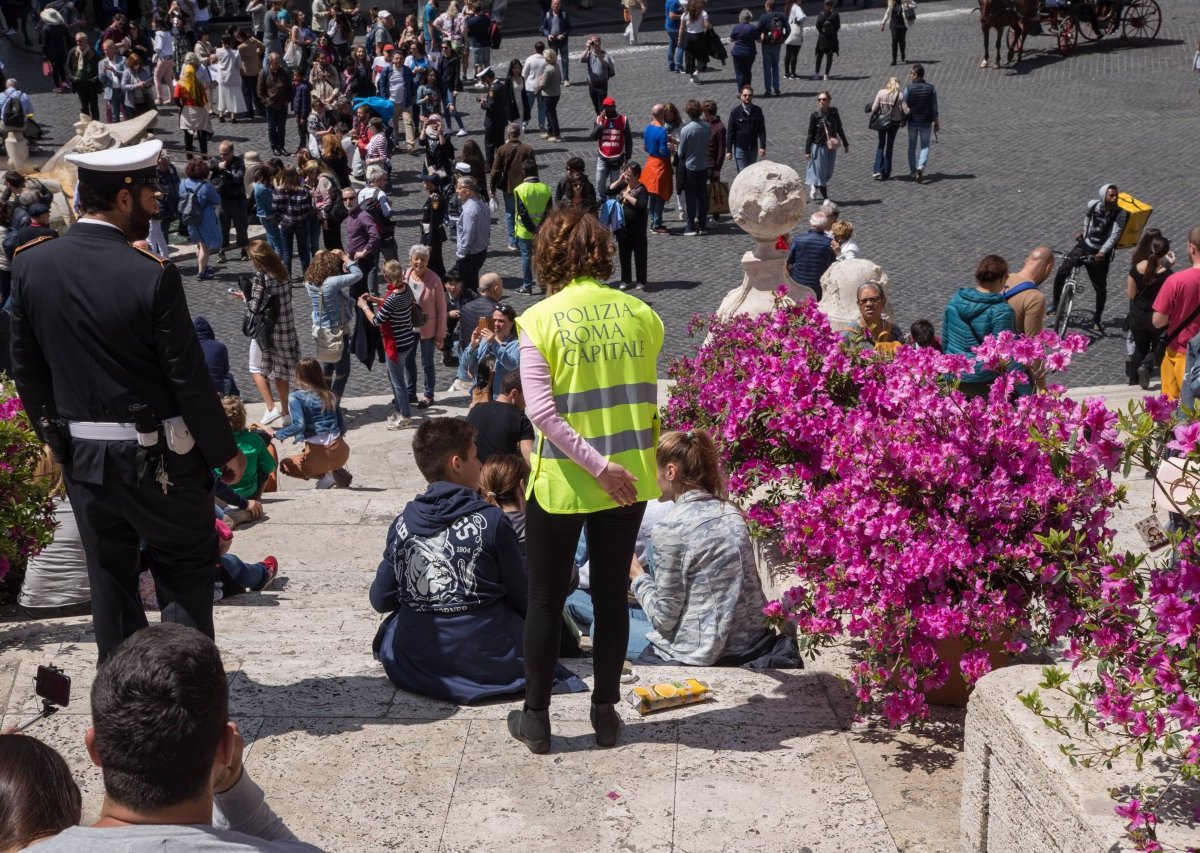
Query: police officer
[108, 367]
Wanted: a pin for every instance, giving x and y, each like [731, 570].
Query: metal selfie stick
[48, 710]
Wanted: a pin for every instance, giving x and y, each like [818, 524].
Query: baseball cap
[608, 102]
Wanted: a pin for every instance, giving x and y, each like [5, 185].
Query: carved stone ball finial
[767, 199]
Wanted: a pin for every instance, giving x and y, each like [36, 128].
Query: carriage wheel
[1068, 37]
[1085, 26]
[1141, 21]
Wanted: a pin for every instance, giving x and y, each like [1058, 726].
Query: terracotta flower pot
[956, 690]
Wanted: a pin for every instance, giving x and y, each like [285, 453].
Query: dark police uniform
[98, 327]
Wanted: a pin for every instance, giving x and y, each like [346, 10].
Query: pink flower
[975, 665]
[1186, 436]
[1161, 408]
[1132, 811]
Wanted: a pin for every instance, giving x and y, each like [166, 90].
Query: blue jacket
[335, 294]
[507, 355]
[216, 354]
[922, 102]
[564, 25]
[383, 84]
[453, 579]
[811, 254]
[208, 231]
[308, 419]
[971, 315]
[264, 201]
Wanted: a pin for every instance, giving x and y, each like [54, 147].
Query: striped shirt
[396, 311]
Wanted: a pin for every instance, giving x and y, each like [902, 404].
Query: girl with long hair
[704, 601]
[1146, 278]
[276, 358]
[294, 205]
[317, 421]
[889, 101]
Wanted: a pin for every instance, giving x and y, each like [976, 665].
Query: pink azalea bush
[913, 514]
[26, 513]
[1144, 695]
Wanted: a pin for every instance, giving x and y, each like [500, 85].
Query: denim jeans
[395, 370]
[743, 157]
[249, 575]
[883, 153]
[273, 234]
[672, 40]
[300, 232]
[607, 171]
[655, 208]
[551, 114]
[581, 611]
[743, 70]
[770, 61]
[277, 127]
[526, 247]
[918, 136]
[510, 216]
[427, 348]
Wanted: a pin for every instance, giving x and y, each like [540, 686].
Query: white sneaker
[269, 416]
[326, 481]
[695, 77]
[460, 386]
[462, 131]
[401, 423]
[392, 418]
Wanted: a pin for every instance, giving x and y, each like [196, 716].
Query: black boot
[531, 728]
[607, 722]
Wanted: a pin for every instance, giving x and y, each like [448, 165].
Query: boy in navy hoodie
[452, 580]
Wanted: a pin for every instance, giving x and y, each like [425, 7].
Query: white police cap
[120, 167]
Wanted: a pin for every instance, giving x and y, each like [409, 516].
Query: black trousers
[828, 62]
[791, 52]
[89, 97]
[1097, 272]
[469, 269]
[234, 212]
[250, 96]
[898, 37]
[631, 243]
[1143, 347]
[550, 542]
[598, 92]
[201, 135]
[116, 517]
[277, 127]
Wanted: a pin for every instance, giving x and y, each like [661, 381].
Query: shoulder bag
[832, 142]
[330, 344]
[881, 118]
[419, 317]
[260, 325]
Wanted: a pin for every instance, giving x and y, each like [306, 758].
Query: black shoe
[625, 285]
[450, 361]
[1143, 375]
[606, 722]
[221, 257]
[1052, 310]
[532, 728]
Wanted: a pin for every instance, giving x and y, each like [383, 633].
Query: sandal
[425, 403]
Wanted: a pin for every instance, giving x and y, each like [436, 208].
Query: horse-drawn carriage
[1067, 21]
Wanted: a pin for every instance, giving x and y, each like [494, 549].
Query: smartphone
[484, 323]
[53, 685]
[236, 291]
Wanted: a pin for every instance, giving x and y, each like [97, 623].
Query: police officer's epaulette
[33, 243]
[160, 261]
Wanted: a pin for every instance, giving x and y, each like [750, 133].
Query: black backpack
[14, 114]
[778, 30]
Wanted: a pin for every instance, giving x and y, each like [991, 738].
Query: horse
[993, 15]
[999, 14]
[1024, 21]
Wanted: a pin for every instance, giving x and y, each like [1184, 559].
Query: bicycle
[1066, 300]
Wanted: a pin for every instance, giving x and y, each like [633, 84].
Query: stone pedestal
[839, 290]
[765, 200]
[17, 149]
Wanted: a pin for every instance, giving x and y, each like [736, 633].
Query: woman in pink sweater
[430, 294]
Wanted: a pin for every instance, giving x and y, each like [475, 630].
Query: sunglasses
[507, 310]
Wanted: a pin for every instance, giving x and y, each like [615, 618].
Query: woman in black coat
[825, 137]
[828, 24]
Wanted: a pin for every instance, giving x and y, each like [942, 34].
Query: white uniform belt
[102, 431]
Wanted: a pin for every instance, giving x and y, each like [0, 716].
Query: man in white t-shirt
[532, 70]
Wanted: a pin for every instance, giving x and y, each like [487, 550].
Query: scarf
[190, 88]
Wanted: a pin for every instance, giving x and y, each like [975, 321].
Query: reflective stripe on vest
[602, 347]
[612, 138]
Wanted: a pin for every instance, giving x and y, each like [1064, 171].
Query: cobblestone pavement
[1020, 153]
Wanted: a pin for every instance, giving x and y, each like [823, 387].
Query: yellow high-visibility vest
[602, 346]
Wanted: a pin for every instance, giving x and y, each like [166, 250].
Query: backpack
[778, 29]
[191, 210]
[1018, 288]
[13, 117]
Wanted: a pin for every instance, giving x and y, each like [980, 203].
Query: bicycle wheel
[1065, 304]
[1141, 21]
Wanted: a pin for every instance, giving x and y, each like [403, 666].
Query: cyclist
[1094, 248]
